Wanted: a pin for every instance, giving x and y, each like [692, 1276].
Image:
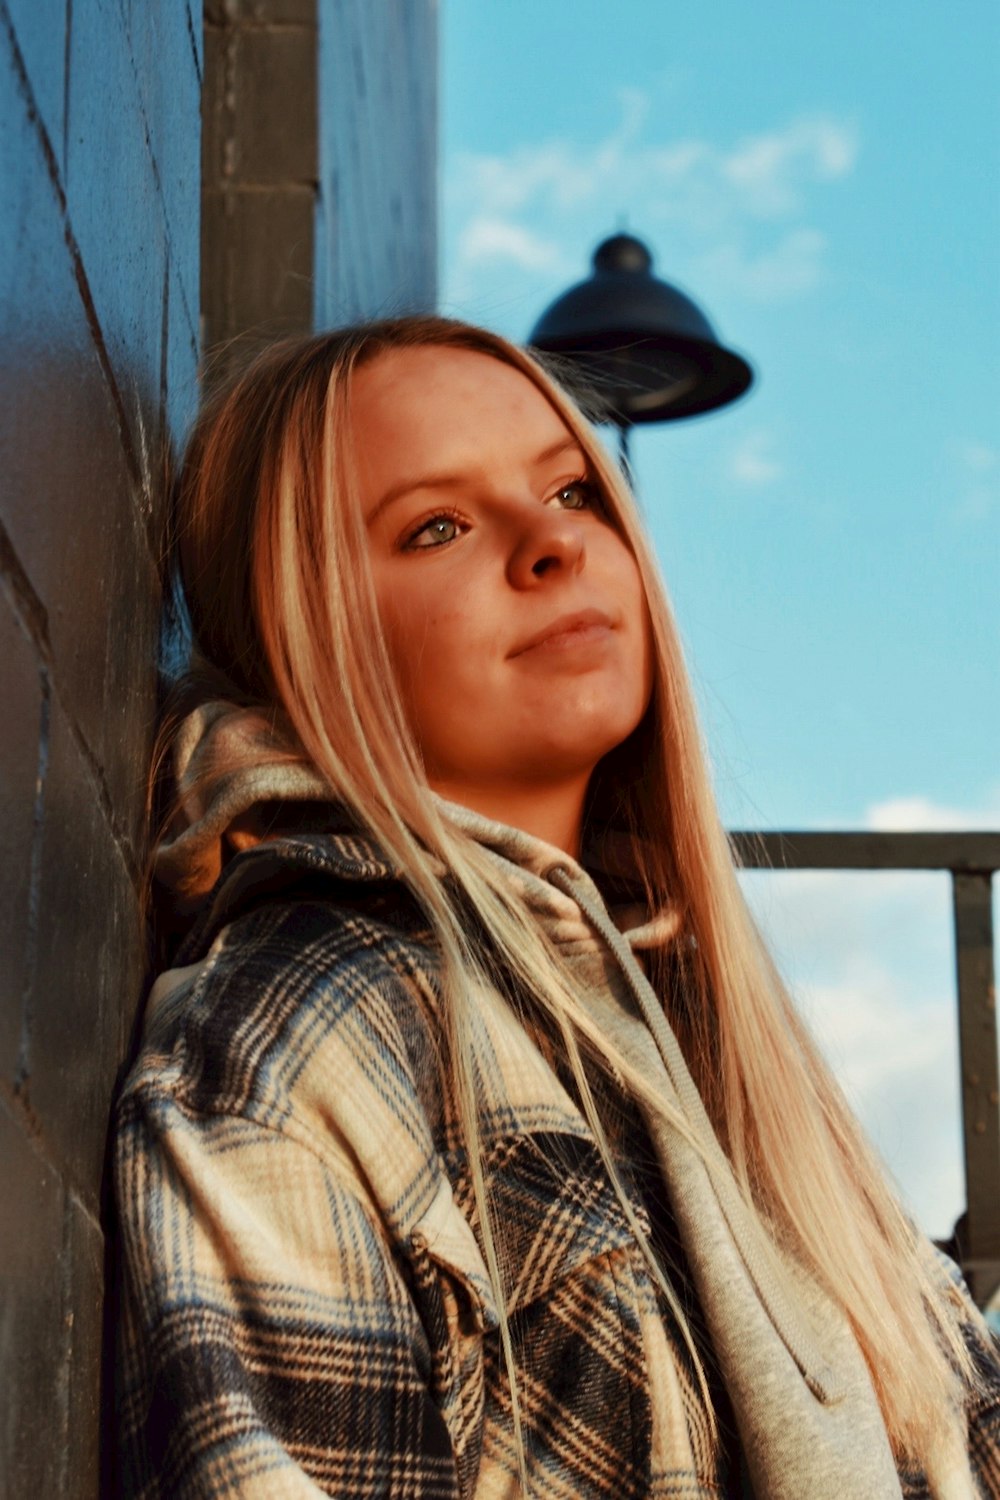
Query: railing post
[980, 1064]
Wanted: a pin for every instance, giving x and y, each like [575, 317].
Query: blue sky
[825, 181]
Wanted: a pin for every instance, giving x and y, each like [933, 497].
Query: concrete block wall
[259, 163]
[99, 253]
[319, 204]
[320, 166]
[376, 212]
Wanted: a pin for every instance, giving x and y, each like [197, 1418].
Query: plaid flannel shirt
[305, 1307]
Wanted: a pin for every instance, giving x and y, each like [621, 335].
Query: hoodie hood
[239, 789]
[229, 768]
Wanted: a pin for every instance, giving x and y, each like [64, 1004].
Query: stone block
[20, 723]
[257, 266]
[29, 214]
[40, 28]
[70, 513]
[116, 213]
[266, 133]
[123, 726]
[34, 1331]
[196, 20]
[169, 86]
[181, 373]
[217, 108]
[68, 497]
[88, 971]
[84, 1271]
[260, 12]
[376, 241]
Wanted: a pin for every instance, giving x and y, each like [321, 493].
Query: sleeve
[982, 1395]
[982, 1399]
[268, 1342]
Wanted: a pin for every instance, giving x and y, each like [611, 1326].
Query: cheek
[640, 680]
[406, 638]
[427, 642]
[633, 595]
[444, 687]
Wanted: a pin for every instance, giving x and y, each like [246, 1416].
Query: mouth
[580, 628]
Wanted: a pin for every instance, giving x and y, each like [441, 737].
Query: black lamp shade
[646, 350]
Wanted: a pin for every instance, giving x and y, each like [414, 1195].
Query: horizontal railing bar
[967, 852]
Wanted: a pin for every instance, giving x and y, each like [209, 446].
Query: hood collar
[240, 790]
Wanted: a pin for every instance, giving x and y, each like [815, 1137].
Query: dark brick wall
[99, 189]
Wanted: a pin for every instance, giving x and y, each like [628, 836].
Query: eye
[580, 494]
[436, 531]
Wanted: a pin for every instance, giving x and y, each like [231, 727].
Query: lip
[581, 622]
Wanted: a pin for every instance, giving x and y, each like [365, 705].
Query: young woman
[474, 1146]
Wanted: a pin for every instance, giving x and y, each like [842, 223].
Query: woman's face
[513, 609]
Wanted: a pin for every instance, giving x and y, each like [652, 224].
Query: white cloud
[765, 175]
[980, 458]
[977, 504]
[736, 209]
[921, 813]
[792, 266]
[753, 462]
[869, 957]
[551, 174]
[979, 464]
[488, 239]
[771, 170]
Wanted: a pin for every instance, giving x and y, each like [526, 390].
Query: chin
[578, 755]
[605, 725]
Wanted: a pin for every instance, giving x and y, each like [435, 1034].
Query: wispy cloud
[772, 171]
[754, 462]
[979, 476]
[869, 958]
[738, 209]
[979, 458]
[486, 239]
[791, 266]
[917, 813]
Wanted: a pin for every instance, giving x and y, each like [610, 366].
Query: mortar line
[22, 1066]
[194, 46]
[54, 173]
[67, 50]
[33, 618]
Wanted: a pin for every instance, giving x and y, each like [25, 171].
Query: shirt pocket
[457, 1308]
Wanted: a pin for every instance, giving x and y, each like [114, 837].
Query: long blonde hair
[272, 553]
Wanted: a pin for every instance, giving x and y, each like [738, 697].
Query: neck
[552, 814]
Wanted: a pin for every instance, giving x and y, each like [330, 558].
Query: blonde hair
[273, 558]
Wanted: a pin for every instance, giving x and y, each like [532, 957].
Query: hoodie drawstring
[743, 1226]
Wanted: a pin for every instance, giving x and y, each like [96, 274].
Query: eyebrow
[453, 481]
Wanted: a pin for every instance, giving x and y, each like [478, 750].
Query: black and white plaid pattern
[305, 1308]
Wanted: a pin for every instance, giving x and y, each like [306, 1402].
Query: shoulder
[299, 1007]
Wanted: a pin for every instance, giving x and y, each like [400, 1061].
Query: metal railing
[970, 859]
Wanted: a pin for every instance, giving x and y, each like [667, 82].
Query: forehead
[431, 408]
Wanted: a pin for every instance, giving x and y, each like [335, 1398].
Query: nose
[549, 542]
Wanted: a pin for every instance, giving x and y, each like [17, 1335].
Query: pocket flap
[554, 1209]
[447, 1237]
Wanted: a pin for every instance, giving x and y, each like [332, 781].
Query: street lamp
[643, 348]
